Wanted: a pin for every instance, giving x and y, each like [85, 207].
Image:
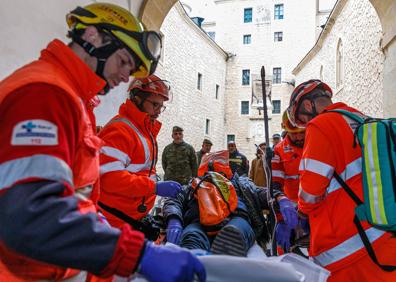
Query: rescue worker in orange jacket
[335, 242]
[49, 158]
[285, 163]
[127, 161]
[286, 159]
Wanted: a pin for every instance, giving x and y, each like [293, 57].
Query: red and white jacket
[127, 163]
[335, 242]
[285, 164]
[48, 163]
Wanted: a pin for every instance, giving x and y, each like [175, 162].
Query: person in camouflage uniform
[178, 159]
[206, 146]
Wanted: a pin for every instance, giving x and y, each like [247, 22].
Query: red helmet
[152, 85]
[302, 92]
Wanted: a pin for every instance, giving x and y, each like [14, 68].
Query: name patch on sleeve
[35, 132]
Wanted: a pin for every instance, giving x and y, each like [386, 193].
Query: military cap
[276, 135]
[177, 129]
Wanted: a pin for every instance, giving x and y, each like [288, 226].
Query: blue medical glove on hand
[282, 235]
[174, 230]
[167, 188]
[289, 212]
[169, 264]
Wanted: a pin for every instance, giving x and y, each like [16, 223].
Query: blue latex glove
[167, 188]
[169, 264]
[282, 235]
[174, 230]
[289, 212]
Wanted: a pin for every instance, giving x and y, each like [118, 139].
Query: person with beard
[336, 242]
[285, 164]
[286, 160]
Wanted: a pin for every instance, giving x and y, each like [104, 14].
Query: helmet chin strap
[100, 53]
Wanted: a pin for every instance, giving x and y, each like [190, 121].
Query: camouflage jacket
[179, 162]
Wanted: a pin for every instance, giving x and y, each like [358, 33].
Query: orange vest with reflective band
[85, 166]
[335, 242]
[285, 163]
[127, 164]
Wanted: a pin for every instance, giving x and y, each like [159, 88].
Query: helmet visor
[149, 42]
[152, 45]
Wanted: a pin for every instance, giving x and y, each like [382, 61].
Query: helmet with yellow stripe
[124, 29]
[288, 126]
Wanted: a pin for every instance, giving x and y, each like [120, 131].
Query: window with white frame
[207, 127]
[244, 107]
[247, 15]
[278, 12]
[245, 77]
[199, 81]
[339, 65]
[230, 137]
[276, 104]
[212, 35]
[276, 75]
[278, 36]
[247, 39]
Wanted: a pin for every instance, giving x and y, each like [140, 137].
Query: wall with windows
[196, 68]
[276, 34]
[349, 57]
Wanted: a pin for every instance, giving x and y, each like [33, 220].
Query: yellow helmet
[121, 24]
[286, 125]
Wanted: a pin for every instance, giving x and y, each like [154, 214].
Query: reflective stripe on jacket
[48, 163]
[127, 163]
[285, 163]
[328, 148]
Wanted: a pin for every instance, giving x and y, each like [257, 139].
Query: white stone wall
[298, 27]
[188, 50]
[28, 26]
[359, 28]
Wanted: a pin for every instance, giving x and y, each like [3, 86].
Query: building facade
[256, 33]
[348, 56]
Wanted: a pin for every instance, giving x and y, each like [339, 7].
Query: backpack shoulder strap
[351, 115]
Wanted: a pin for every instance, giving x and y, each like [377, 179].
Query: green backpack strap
[352, 116]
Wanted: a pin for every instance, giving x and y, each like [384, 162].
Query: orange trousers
[366, 270]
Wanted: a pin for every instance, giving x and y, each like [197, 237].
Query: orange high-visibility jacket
[335, 242]
[127, 163]
[48, 137]
[285, 164]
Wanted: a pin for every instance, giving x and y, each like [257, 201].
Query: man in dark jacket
[241, 228]
[178, 159]
[238, 162]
